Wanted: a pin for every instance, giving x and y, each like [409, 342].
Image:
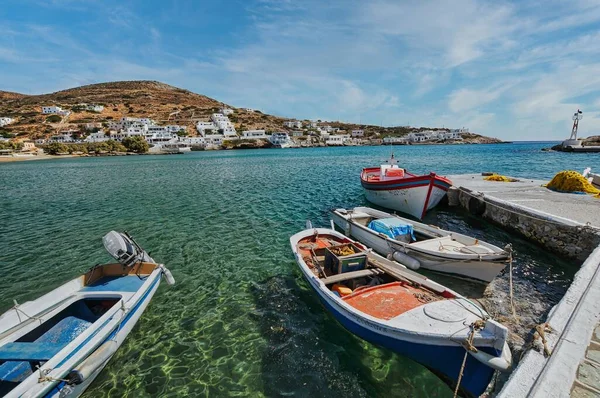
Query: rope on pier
[508, 248]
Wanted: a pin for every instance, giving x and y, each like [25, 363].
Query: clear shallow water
[240, 320]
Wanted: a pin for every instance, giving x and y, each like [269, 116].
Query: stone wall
[557, 235]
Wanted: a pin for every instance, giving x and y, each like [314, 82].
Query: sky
[513, 70]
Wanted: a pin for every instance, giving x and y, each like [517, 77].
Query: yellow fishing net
[572, 181]
[498, 177]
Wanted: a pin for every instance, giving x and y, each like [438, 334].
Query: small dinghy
[384, 303]
[417, 245]
[395, 188]
[56, 345]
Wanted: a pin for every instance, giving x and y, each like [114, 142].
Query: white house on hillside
[204, 128]
[5, 121]
[254, 135]
[293, 124]
[62, 138]
[222, 122]
[98, 136]
[337, 140]
[358, 133]
[47, 110]
[226, 111]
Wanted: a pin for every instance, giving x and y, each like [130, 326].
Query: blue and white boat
[385, 303]
[56, 345]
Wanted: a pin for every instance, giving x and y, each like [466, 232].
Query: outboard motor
[124, 249]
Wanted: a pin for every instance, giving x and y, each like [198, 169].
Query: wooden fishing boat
[385, 303]
[417, 245]
[56, 345]
[395, 188]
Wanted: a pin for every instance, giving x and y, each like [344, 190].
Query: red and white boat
[395, 188]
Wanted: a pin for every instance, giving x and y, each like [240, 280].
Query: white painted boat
[395, 188]
[417, 245]
[56, 345]
[383, 302]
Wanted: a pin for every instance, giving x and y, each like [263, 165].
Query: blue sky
[515, 70]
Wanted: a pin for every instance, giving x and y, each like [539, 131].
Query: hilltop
[159, 101]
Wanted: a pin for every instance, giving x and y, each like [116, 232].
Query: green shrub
[136, 144]
[53, 119]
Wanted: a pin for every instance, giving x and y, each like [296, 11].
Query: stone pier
[567, 224]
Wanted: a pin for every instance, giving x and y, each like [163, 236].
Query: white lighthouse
[573, 141]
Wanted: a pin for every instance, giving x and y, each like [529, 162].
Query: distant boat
[73, 331]
[383, 302]
[395, 188]
[417, 245]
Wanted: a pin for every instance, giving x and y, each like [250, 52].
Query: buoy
[406, 260]
[168, 275]
[92, 363]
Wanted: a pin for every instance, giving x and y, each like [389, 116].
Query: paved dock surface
[531, 194]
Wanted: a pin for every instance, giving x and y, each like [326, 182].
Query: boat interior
[109, 283]
[19, 359]
[430, 240]
[386, 172]
[371, 285]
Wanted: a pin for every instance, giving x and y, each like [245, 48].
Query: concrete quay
[567, 224]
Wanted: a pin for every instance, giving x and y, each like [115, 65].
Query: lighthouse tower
[573, 141]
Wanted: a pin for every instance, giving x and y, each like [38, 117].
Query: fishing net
[572, 181]
[498, 177]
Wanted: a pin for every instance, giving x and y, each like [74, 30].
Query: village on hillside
[216, 132]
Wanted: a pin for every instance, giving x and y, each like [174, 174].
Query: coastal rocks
[246, 144]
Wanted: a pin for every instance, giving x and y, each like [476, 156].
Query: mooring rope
[18, 310]
[510, 279]
[469, 347]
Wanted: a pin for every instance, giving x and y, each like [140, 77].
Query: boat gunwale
[414, 178]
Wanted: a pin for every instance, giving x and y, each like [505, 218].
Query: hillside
[163, 103]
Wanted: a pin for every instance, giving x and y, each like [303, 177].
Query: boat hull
[444, 360]
[412, 195]
[479, 270]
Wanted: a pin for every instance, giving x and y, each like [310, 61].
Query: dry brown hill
[163, 103]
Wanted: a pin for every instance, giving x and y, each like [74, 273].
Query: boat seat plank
[29, 351]
[115, 284]
[350, 275]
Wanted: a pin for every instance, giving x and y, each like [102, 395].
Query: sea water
[240, 320]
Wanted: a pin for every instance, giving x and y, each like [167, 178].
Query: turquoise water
[240, 321]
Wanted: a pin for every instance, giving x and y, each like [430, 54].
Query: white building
[98, 136]
[226, 111]
[358, 133]
[5, 121]
[336, 140]
[94, 108]
[47, 110]
[193, 140]
[313, 125]
[61, 138]
[293, 124]
[254, 135]
[249, 110]
[205, 128]
[396, 140]
[222, 122]
[297, 133]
